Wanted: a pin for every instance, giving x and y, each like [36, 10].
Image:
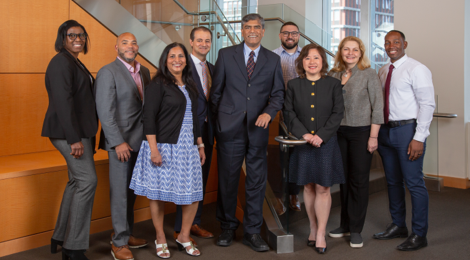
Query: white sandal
[164, 250]
[190, 251]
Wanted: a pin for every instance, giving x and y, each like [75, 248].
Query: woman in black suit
[71, 125]
[313, 110]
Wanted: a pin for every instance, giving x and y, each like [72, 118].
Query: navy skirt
[322, 166]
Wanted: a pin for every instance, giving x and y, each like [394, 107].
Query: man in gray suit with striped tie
[119, 92]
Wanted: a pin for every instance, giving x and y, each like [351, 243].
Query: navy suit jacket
[203, 110]
[234, 96]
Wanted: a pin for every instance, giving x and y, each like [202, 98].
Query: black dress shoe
[255, 242]
[54, 244]
[413, 242]
[73, 254]
[226, 238]
[393, 231]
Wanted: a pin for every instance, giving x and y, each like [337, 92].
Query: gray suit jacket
[119, 106]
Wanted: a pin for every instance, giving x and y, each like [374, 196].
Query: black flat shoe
[393, 231]
[226, 238]
[54, 244]
[413, 242]
[73, 254]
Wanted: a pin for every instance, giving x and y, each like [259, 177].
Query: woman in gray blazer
[71, 125]
[357, 135]
[313, 110]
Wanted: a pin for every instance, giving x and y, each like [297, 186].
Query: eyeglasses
[73, 36]
[286, 34]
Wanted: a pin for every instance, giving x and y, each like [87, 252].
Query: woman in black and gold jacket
[313, 110]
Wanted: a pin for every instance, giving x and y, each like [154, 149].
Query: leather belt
[393, 124]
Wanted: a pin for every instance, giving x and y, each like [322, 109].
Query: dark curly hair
[299, 65]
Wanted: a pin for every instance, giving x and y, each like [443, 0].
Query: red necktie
[387, 94]
[250, 65]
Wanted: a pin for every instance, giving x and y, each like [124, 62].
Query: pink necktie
[387, 94]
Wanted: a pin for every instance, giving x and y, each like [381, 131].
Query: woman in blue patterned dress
[168, 168]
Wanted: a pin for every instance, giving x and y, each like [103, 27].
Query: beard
[122, 55]
[294, 45]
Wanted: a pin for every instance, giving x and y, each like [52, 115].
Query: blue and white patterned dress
[179, 179]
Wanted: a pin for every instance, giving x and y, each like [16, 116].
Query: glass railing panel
[165, 18]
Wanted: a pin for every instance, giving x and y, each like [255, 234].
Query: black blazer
[234, 97]
[71, 114]
[203, 110]
[315, 109]
[164, 108]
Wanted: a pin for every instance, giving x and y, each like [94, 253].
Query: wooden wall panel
[29, 29]
[102, 41]
[23, 105]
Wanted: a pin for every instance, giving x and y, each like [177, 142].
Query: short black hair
[62, 35]
[289, 23]
[202, 28]
[401, 33]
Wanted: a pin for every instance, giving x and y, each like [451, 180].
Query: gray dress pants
[122, 198]
[73, 222]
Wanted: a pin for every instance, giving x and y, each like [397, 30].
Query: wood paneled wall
[30, 29]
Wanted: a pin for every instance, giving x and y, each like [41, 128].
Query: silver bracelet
[200, 145]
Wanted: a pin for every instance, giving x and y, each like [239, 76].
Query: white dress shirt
[411, 94]
[197, 63]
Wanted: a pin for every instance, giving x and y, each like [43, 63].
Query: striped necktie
[250, 65]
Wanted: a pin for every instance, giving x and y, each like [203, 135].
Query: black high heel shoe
[73, 254]
[311, 243]
[54, 244]
[321, 250]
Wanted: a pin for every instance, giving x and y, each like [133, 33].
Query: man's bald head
[126, 47]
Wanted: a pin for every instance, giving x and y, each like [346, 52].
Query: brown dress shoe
[133, 241]
[121, 253]
[279, 207]
[294, 202]
[137, 242]
[175, 236]
[198, 231]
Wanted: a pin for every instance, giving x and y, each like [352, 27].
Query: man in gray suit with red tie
[247, 92]
[119, 89]
[201, 41]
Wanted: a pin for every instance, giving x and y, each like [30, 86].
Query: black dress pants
[355, 192]
[230, 155]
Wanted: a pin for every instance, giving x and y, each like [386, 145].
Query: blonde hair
[363, 62]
